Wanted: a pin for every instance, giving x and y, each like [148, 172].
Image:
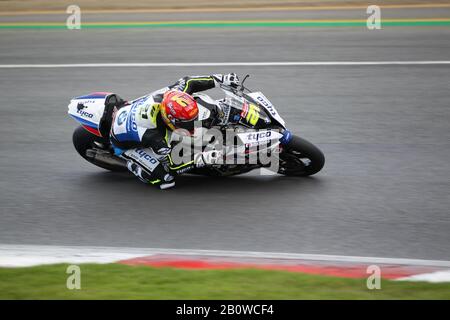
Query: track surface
[384, 130]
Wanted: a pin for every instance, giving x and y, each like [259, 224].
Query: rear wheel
[301, 158]
[84, 140]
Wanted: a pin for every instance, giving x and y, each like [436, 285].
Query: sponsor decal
[244, 110]
[83, 113]
[86, 101]
[171, 109]
[144, 155]
[122, 117]
[251, 113]
[266, 104]
[258, 135]
[134, 108]
[185, 169]
[144, 112]
[132, 121]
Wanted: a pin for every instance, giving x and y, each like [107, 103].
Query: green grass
[115, 281]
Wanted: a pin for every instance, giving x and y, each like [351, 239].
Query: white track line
[21, 255]
[224, 64]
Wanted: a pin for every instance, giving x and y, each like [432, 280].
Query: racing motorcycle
[250, 115]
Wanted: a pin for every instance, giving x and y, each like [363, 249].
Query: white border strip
[224, 64]
[26, 255]
[434, 277]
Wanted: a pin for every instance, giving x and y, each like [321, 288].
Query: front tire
[83, 140]
[301, 158]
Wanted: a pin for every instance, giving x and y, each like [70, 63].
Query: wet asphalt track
[384, 130]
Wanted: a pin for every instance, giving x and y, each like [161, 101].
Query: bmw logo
[122, 117]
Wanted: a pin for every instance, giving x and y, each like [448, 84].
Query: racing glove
[230, 79]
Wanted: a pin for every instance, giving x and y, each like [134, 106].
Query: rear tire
[301, 158]
[83, 140]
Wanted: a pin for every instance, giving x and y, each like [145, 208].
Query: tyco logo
[144, 155]
[267, 105]
[83, 113]
[258, 136]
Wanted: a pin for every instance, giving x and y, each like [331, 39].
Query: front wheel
[301, 158]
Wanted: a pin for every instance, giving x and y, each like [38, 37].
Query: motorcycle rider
[139, 131]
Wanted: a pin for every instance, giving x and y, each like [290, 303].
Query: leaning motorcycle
[252, 118]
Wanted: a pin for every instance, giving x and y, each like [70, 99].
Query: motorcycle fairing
[88, 110]
[268, 106]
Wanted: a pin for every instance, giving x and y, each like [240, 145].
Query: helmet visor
[187, 125]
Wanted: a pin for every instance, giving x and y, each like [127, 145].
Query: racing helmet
[179, 110]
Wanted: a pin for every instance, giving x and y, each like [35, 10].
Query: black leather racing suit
[139, 134]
